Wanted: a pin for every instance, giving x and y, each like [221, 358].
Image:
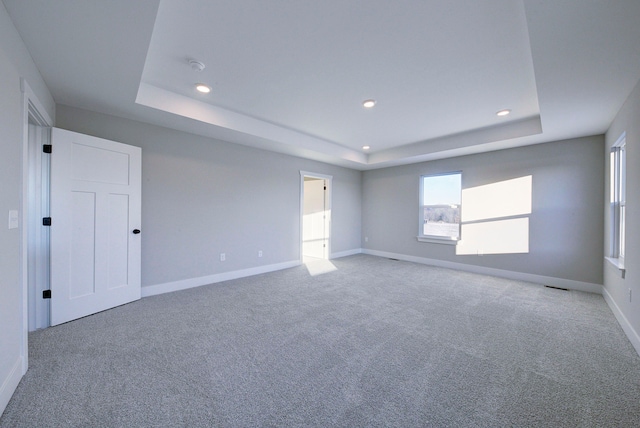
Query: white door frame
[37, 235]
[328, 234]
[31, 107]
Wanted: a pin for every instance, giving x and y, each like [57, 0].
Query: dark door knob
[136, 231]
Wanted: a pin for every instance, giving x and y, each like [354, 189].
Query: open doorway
[37, 235]
[35, 122]
[315, 221]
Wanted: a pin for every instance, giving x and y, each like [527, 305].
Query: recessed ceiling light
[366, 147]
[201, 87]
[368, 103]
[504, 112]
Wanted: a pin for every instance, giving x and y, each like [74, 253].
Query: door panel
[118, 254]
[95, 205]
[82, 245]
[100, 165]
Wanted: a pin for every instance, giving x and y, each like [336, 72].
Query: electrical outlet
[366, 239]
[223, 257]
[259, 253]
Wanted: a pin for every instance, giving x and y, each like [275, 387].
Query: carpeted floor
[373, 342]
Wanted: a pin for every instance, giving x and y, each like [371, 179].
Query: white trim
[621, 140]
[10, 384]
[168, 287]
[346, 253]
[518, 276]
[437, 240]
[628, 329]
[39, 111]
[618, 263]
[315, 175]
[31, 104]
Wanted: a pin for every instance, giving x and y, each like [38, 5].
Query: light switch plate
[14, 221]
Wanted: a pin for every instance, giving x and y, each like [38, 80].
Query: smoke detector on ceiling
[196, 65]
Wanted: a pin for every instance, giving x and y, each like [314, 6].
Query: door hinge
[325, 187]
[46, 221]
[47, 148]
[46, 294]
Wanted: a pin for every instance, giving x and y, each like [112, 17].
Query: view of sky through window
[442, 190]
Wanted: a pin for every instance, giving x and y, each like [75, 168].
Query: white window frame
[437, 239]
[617, 199]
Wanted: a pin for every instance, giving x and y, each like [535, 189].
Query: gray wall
[15, 62]
[565, 236]
[627, 120]
[202, 197]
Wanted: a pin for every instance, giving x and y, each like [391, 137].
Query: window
[617, 178]
[440, 208]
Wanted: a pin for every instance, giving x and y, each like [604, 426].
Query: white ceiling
[290, 75]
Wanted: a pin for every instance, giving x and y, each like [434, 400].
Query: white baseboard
[628, 329]
[167, 287]
[518, 276]
[346, 253]
[10, 384]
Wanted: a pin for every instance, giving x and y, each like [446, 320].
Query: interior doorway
[315, 218]
[37, 236]
[35, 123]
[89, 260]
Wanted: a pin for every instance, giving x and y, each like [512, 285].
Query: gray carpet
[375, 342]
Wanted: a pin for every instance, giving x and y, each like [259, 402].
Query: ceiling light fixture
[201, 87]
[368, 103]
[196, 65]
[504, 112]
[366, 147]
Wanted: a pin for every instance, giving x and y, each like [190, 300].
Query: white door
[95, 225]
[314, 233]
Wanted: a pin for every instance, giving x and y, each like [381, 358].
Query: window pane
[441, 189]
[442, 221]
[622, 227]
[623, 172]
[612, 176]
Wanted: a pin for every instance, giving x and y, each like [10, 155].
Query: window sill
[618, 264]
[436, 240]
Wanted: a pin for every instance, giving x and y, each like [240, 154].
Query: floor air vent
[557, 288]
